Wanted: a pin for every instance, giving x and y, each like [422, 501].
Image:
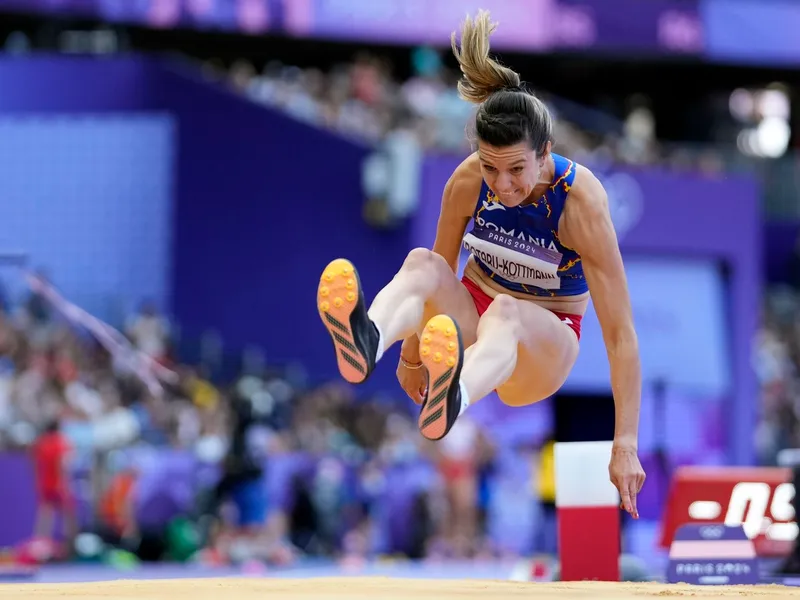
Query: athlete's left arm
[587, 228]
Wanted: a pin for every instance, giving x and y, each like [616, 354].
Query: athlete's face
[510, 171]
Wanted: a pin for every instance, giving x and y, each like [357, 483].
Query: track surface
[358, 588]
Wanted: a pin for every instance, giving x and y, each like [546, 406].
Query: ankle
[464, 397]
[379, 350]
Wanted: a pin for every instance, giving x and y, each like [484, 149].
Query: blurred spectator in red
[50, 457]
[458, 457]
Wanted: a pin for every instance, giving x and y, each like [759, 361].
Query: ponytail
[482, 75]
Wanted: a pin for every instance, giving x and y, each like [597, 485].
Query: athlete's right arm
[458, 203]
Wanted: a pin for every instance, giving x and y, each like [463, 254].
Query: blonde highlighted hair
[507, 114]
[482, 75]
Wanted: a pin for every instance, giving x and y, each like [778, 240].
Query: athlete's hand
[413, 381]
[627, 475]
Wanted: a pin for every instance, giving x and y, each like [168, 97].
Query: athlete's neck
[546, 178]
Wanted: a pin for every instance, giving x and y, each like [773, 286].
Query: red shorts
[482, 301]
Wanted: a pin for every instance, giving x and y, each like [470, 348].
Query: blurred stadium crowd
[363, 101]
[68, 401]
[776, 360]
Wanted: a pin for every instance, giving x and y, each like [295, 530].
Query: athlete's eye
[489, 168]
[517, 170]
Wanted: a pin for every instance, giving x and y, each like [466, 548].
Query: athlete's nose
[504, 184]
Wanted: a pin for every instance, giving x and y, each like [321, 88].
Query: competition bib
[514, 259]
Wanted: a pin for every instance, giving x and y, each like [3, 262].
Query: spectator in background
[199, 389]
[149, 332]
[776, 368]
[458, 466]
[546, 535]
[486, 465]
[51, 453]
[242, 484]
[116, 507]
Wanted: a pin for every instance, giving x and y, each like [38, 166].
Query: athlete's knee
[503, 308]
[424, 262]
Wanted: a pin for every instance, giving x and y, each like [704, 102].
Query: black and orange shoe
[343, 311]
[442, 352]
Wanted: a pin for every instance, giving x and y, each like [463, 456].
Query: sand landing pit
[374, 588]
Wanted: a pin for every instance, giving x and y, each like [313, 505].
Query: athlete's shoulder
[464, 185]
[586, 207]
[467, 174]
[587, 189]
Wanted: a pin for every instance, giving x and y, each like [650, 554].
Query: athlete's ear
[543, 156]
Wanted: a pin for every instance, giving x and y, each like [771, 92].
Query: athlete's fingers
[416, 395]
[633, 491]
[625, 496]
[628, 492]
[419, 399]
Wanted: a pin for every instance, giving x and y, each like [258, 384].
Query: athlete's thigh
[546, 354]
[453, 299]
